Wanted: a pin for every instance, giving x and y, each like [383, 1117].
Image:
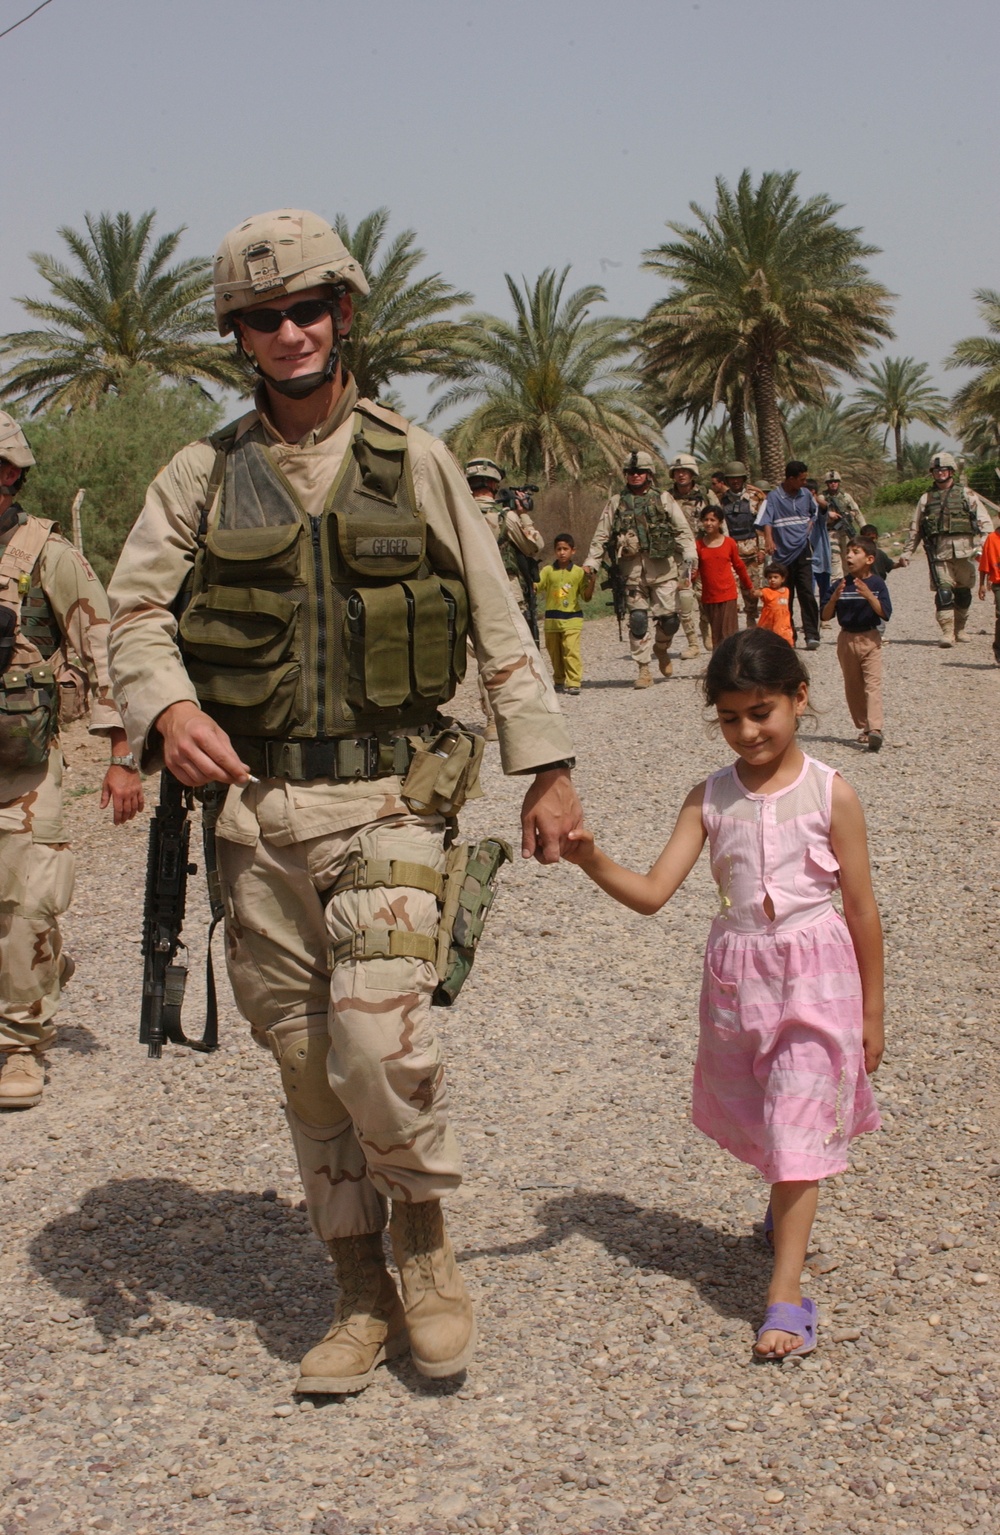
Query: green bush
[112, 452]
[908, 491]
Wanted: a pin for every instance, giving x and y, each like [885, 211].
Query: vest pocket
[247, 703]
[405, 643]
[267, 556]
[226, 624]
[28, 717]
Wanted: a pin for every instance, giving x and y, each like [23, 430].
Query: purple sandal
[798, 1320]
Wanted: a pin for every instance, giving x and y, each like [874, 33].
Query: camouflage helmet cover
[685, 461]
[639, 462]
[13, 443]
[944, 461]
[832, 474]
[735, 470]
[275, 254]
[484, 469]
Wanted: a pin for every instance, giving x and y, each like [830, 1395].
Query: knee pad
[963, 596]
[668, 625]
[300, 1047]
[638, 623]
[944, 599]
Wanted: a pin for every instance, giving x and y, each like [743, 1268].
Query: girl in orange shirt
[775, 612]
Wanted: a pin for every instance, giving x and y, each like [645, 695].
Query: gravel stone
[161, 1283]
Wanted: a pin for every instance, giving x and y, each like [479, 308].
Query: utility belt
[345, 759]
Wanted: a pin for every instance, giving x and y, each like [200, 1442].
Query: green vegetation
[122, 308]
[903, 492]
[112, 452]
[895, 392]
[977, 404]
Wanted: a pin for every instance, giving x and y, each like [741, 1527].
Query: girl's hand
[873, 1039]
[581, 846]
[982, 594]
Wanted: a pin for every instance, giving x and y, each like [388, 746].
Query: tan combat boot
[643, 679]
[690, 651]
[961, 619]
[439, 1314]
[21, 1079]
[368, 1324]
[946, 623]
[665, 664]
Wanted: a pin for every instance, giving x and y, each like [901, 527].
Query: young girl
[775, 610]
[791, 1001]
[718, 560]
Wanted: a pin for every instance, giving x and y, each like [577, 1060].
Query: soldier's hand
[123, 789]
[551, 810]
[588, 586]
[197, 750]
[902, 562]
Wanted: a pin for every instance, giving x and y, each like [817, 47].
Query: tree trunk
[770, 437]
[738, 428]
[898, 434]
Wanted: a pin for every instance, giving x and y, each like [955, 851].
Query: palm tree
[898, 390]
[552, 391]
[828, 436]
[917, 459]
[396, 328]
[768, 290]
[121, 308]
[977, 403]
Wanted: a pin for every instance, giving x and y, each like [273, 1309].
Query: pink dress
[780, 1077]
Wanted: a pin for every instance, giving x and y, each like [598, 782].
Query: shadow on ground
[730, 1279]
[77, 1039]
[238, 1255]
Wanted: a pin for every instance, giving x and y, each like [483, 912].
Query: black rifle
[615, 583]
[945, 595]
[164, 974]
[516, 498]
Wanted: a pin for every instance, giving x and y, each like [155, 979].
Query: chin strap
[297, 388]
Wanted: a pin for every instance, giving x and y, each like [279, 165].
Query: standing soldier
[951, 523]
[843, 516]
[692, 501]
[332, 562]
[54, 646]
[740, 506]
[515, 534]
[644, 534]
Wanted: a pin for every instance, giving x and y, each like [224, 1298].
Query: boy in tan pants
[861, 602]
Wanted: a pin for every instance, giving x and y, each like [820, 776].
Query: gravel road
[160, 1281]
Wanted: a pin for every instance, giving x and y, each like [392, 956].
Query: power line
[26, 18]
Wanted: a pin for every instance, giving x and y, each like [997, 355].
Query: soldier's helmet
[832, 474]
[276, 254]
[639, 462]
[484, 469]
[944, 461]
[685, 461]
[735, 470]
[13, 443]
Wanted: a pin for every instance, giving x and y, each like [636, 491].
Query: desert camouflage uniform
[521, 531]
[956, 556]
[36, 863]
[839, 536]
[359, 1061]
[650, 585]
[689, 597]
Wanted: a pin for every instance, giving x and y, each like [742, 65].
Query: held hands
[196, 750]
[580, 846]
[550, 813]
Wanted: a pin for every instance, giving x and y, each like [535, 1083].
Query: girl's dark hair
[754, 660]
[774, 569]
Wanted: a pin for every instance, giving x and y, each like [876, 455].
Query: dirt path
[160, 1281]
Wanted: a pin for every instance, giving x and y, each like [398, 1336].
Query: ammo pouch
[444, 771]
[29, 717]
[464, 894]
[405, 643]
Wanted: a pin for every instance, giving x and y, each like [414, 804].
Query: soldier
[54, 619]
[332, 562]
[645, 534]
[692, 502]
[515, 534]
[951, 523]
[843, 521]
[740, 506]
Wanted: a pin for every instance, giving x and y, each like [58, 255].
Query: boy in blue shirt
[861, 602]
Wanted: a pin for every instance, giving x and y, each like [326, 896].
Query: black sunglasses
[306, 312]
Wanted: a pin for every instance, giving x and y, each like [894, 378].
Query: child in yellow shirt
[560, 585]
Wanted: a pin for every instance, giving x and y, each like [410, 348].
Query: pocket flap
[246, 689]
[254, 544]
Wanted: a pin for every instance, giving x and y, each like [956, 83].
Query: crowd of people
[292, 611]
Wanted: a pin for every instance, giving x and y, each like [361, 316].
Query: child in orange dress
[775, 612]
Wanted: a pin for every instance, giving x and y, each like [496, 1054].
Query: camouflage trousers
[36, 888]
[360, 1066]
[657, 598]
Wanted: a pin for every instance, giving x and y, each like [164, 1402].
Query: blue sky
[515, 136]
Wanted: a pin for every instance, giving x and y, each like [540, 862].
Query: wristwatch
[128, 762]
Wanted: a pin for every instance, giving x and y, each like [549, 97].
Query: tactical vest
[37, 622]
[943, 518]
[648, 519]
[846, 527]
[739, 515]
[504, 541]
[320, 628]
